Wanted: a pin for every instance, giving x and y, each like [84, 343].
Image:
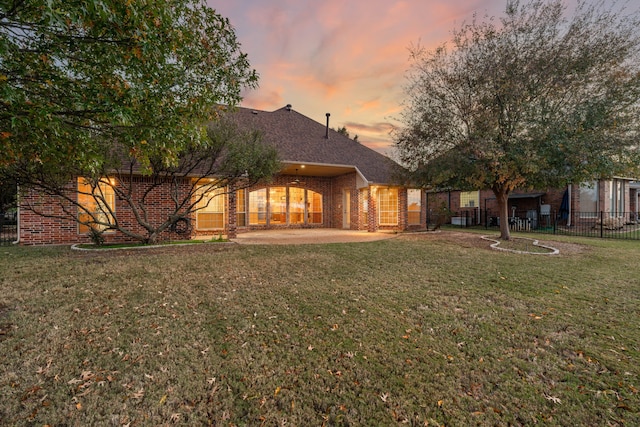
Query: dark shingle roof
[299, 139]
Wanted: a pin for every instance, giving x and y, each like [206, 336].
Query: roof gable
[299, 139]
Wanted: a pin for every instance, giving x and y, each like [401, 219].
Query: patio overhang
[322, 170]
[315, 169]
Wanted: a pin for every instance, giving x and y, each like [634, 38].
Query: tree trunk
[502, 196]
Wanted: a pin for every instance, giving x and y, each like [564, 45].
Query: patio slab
[308, 236]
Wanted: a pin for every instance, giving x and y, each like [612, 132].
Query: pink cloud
[382, 127]
[348, 58]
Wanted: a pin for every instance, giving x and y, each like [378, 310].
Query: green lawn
[431, 330]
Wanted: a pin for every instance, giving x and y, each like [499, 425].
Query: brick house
[575, 204]
[327, 181]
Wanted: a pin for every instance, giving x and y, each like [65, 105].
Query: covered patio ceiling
[315, 169]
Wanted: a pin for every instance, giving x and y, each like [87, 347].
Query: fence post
[555, 222]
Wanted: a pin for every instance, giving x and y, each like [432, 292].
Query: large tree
[77, 75]
[536, 99]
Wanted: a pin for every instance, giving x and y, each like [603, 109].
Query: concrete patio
[308, 236]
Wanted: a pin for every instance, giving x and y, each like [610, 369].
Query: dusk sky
[347, 58]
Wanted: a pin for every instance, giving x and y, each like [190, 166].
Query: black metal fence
[621, 225]
[8, 228]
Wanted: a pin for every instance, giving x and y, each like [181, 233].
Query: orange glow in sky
[344, 58]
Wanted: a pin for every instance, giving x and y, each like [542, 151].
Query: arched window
[296, 205]
[278, 205]
[286, 206]
[258, 207]
[314, 207]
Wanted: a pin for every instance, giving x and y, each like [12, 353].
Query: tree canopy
[77, 76]
[535, 99]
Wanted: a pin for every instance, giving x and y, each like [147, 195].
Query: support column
[232, 226]
[372, 215]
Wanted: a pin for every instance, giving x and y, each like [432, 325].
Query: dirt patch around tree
[472, 240]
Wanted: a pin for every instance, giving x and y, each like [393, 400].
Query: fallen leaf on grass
[138, 394]
[84, 393]
[553, 399]
[44, 370]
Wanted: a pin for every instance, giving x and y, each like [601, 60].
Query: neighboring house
[576, 204]
[327, 181]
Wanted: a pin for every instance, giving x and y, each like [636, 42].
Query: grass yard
[430, 329]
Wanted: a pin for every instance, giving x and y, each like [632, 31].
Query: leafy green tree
[8, 194]
[111, 89]
[78, 75]
[535, 99]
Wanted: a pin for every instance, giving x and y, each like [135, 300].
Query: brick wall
[403, 213]
[363, 209]
[58, 227]
[372, 217]
[40, 230]
[344, 184]
[37, 230]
